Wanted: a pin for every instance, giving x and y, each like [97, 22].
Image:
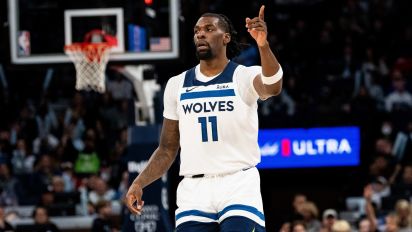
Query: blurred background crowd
[346, 62]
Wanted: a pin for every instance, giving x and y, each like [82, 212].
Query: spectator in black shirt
[42, 222]
[403, 187]
[103, 223]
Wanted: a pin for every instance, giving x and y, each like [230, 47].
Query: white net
[90, 61]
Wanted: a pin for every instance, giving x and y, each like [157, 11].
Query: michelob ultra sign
[313, 147]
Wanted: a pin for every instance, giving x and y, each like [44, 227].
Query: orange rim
[92, 51]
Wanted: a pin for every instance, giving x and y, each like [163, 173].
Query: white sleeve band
[272, 79]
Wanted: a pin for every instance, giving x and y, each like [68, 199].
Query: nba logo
[24, 43]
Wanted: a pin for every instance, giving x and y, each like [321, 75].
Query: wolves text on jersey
[209, 106]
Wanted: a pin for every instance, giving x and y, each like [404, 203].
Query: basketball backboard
[145, 30]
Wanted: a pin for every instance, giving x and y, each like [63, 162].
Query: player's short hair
[233, 47]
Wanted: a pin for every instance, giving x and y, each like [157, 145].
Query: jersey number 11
[203, 123]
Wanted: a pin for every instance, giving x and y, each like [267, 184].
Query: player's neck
[213, 67]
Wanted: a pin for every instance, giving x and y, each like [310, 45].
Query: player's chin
[204, 54]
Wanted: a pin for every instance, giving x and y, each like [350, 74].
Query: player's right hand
[257, 27]
[134, 199]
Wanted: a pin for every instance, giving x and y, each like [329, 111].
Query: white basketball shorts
[213, 199]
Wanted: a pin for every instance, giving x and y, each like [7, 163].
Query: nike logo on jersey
[190, 89]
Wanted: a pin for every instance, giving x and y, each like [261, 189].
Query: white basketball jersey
[218, 130]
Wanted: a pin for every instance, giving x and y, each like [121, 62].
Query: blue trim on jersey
[208, 94]
[198, 213]
[216, 216]
[247, 208]
[225, 77]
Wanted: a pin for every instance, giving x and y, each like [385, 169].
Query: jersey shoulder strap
[225, 77]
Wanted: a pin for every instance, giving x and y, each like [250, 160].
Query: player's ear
[226, 38]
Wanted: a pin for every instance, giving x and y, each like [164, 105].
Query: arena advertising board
[156, 208]
[306, 148]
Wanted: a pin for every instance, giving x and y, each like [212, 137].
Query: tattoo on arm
[163, 157]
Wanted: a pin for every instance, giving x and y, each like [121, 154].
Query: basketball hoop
[90, 60]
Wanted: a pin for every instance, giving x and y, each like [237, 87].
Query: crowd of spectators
[350, 65]
[68, 160]
[345, 62]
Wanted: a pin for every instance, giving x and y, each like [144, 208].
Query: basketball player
[211, 112]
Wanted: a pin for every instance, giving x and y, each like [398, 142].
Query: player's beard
[204, 55]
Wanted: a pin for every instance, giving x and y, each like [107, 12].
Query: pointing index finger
[262, 13]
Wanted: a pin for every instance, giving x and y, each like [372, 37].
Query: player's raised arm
[269, 83]
[160, 161]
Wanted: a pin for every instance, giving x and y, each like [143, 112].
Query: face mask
[105, 176]
[386, 130]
